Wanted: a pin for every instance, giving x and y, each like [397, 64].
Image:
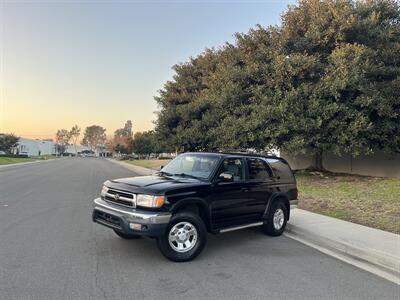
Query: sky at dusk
[100, 62]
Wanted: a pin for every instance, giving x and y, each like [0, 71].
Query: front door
[229, 199]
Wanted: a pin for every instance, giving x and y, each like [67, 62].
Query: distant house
[101, 150]
[70, 149]
[35, 147]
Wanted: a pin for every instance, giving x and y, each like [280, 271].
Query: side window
[233, 166]
[258, 169]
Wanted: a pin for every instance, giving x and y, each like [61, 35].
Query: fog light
[135, 226]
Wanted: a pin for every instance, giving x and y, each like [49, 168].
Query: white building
[47, 147]
[35, 147]
[39, 147]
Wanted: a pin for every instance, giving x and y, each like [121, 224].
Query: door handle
[244, 190]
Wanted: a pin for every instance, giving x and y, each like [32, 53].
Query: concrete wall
[378, 164]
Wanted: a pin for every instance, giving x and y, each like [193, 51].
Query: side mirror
[225, 177]
[161, 167]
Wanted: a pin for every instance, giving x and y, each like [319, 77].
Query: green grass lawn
[154, 164]
[14, 160]
[370, 201]
[4, 160]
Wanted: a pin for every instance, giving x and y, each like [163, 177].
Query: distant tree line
[141, 143]
[325, 80]
[92, 137]
[123, 140]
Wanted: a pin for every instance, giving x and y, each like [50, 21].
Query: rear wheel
[127, 236]
[184, 238]
[276, 219]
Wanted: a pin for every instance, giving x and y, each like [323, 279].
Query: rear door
[260, 183]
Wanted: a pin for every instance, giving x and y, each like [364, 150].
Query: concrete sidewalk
[371, 249]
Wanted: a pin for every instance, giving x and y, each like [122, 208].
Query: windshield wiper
[187, 175]
[164, 173]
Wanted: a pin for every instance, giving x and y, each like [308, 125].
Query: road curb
[381, 264]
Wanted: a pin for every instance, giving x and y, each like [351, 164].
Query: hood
[152, 184]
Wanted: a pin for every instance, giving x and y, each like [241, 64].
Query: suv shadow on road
[250, 241]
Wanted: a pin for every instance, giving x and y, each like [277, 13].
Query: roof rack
[246, 153]
[251, 154]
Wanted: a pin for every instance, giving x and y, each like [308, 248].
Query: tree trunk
[318, 166]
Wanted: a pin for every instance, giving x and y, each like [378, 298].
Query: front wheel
[184, 238]
[276, 219]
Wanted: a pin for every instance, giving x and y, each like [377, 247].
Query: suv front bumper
[130, 220]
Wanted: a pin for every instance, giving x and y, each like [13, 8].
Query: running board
[240, 227]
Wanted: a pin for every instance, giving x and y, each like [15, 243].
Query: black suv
[198, 193]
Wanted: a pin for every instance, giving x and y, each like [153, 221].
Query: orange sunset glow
[101, 64]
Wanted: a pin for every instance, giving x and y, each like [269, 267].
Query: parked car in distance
[199, 193]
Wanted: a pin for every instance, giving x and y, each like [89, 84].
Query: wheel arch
[278, 197]
[196, 205]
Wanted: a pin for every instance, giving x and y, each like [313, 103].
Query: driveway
[50, 249]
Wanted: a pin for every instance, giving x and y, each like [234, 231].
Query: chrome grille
[120, 197]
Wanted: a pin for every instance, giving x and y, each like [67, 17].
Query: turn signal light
[159, 201]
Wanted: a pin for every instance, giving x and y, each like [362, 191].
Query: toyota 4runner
[198, 193]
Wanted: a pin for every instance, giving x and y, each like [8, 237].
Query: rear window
[258, 169]
[281, 169]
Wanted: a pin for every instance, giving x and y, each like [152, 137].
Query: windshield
[192, 165]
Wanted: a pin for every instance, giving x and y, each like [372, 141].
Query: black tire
[269, 227]
[164, 244]
[127, 236]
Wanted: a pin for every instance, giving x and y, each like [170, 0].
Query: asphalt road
[50, 249]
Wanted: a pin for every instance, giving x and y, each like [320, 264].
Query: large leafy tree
[94, 136]
[74, 133]
[347, 94]
[126, 131]
[240, 72]
[143, 143]
[326, 80]
[63, 136]
[122, 139]
[183, 105]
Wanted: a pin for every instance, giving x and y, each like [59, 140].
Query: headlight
[104, 191]
[149, 201]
